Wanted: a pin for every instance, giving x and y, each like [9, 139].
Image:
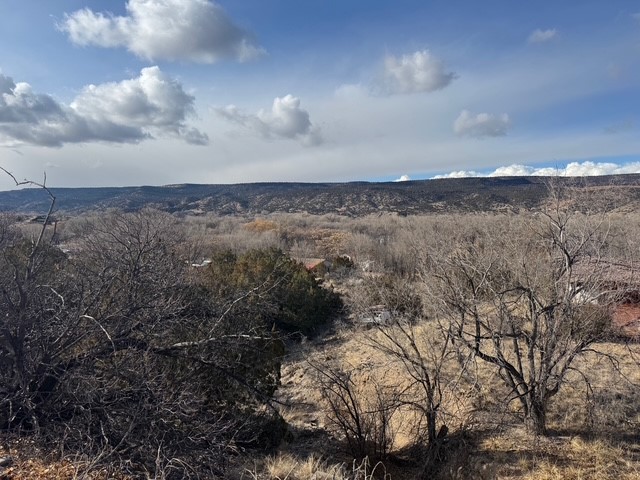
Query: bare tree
[527, 298]
[33, 310]
[418, 352]
[112, 350]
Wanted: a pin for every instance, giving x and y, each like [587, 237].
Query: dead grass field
[594, 429]
[33, 462]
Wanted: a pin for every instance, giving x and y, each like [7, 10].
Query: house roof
[310, 263]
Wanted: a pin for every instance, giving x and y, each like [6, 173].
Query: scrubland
[448, 328]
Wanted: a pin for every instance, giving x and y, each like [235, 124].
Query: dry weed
[289, 467]
[595, 432]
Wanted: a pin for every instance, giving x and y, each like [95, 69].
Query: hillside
[351, 199]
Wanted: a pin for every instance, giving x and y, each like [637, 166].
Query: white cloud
[417, 72]
[286, 119]
[125, 112]
[586, 169]
[403, 178]
[516, 170]
[151, 101]
[194, 30]
[481, 124]
[18, 104]
[573, 169]
[541, 36]
[459, 174]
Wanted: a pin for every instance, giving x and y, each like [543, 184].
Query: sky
[157, 92]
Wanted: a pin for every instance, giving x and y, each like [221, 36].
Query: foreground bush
[112, 352]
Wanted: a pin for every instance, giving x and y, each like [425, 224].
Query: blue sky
[98, 93]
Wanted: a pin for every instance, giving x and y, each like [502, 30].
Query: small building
[617, 284]
[314, 264]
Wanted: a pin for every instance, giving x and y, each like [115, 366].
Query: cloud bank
[414, 73]
[541, 36]
[286, 119]
[573, 169]
[481, 124]
[192, 30]
[125, 112]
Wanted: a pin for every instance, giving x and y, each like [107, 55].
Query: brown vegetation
[470, 346]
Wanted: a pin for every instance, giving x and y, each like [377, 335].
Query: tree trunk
[536, 418]
[431, 426]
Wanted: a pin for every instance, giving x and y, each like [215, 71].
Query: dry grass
[605, 398]
[588, 459]
[514, 455]
[289, 467]
[594, 428]
[33, 462]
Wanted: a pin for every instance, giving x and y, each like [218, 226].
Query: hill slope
[353, 199]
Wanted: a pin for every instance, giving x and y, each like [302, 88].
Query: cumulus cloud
[403, 178]
[286, 119]
[18, 104]
[194, 30]
[124, 112]
[541, 36]
[417, 72]
[573, 169]
[481, 124]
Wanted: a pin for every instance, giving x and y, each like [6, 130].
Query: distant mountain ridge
[478, 194]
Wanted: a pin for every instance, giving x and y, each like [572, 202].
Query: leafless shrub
[359, 411]
[524, 303]
[112, 352]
